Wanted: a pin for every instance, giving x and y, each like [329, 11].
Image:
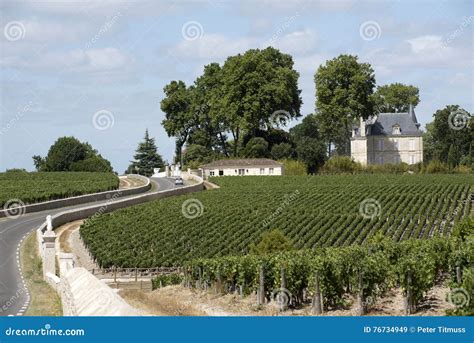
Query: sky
[95, 69]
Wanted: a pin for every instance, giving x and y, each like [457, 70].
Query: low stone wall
[82, 199]
[115, 204]
[82, 294]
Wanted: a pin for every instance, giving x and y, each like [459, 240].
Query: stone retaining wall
[82, 199]
[82, 294]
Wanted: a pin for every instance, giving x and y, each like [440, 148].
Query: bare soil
[178, 301]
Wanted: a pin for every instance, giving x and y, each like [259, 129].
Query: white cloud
[76, 60]
[215, 46]
[426, 44]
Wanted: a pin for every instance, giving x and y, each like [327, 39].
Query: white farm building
[241, 167]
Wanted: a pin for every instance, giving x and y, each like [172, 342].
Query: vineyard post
[218, 287]
[408, 299]
[136, 274]
[317, 295]
[458, 275]
[115, 274]
[360, 298]
[283, 304]
[261, 288]
[200, 277]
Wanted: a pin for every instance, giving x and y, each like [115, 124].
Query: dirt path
[69, 241]
[177, 300]
[129, 182]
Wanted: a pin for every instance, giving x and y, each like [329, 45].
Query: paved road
[14, 296]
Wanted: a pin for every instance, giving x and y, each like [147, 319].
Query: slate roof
[384, 123]
[244, 162]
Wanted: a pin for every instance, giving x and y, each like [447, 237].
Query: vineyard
[313, 211]
[366, 271]
[27, 188]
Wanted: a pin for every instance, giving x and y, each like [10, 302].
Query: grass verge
[44, 299]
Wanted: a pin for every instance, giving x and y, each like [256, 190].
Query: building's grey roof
[244, 162]
[384, 123]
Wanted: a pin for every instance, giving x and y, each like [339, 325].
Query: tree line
[239, 109]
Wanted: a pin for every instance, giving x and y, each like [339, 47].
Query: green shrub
[435, 167]
[272, 241]
[166, 280]
[293, 167]
[341, 164]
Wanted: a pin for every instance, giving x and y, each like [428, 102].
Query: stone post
[49, 253]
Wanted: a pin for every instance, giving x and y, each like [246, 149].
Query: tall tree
[179, 115]
[344, 93]
[310, 146]
[451, 126]
[257, 88]
[209, 130]
[396, 97]
[146, 157]
[69, 154]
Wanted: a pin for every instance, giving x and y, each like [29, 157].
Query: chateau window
[396, 130]
[270, 171]
[262, 171]
[380, 144]
[395, 144]
[412, 144]
[211, 173]
[412, 159]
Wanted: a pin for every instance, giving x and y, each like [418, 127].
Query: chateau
[388, 138]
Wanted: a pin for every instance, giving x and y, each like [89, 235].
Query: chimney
[411, 113]
[362, 127]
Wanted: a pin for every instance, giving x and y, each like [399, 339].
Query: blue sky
[96, 69]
